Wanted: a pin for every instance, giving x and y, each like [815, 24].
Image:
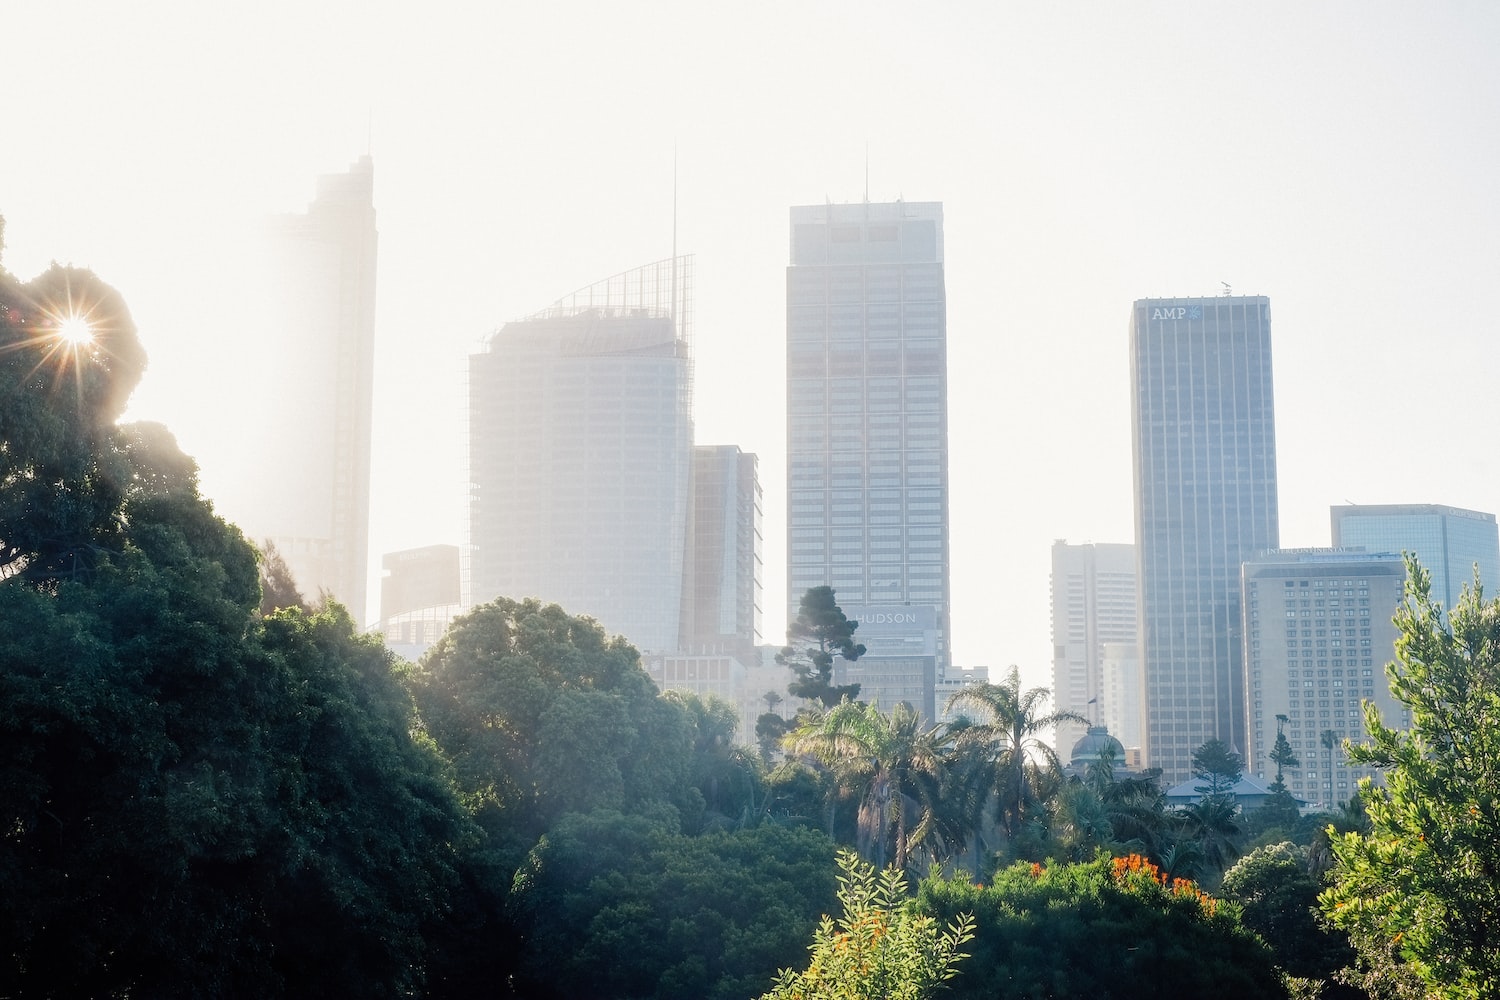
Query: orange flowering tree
[1116, 927]
[881, 949]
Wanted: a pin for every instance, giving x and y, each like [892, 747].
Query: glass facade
[1448, 541]
[1203, 426]
[867, 434]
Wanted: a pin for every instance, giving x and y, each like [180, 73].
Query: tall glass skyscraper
[312, 374]
[867, 434]
[1448, 541]
[1204, 432]
[580, 450]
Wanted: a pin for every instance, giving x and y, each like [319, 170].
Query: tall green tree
[1217, 767]
[1424, 882]
[820, 632]
[1007, 729]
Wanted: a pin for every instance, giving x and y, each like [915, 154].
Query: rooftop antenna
[867, 171]
[1226, 292]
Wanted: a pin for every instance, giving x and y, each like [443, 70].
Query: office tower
[1093, 603]
[418, 578]
[721, 593]
[867, 436]
[1120, 706]
[1447, 541]
[580, 442]
[1203, 425]
[301, 444]
[419, 597]
[1318, 635]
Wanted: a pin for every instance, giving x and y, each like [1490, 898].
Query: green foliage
[1283, 756]
[62, 474]
[881, 948]
[1278, 899]
[620, 906]
[195, 803]
[1108, 928]
[543, 715]
[820, 632]
[891, 762]
[1424, 883]
[278, 588]
[1218, 767]
[1007, 740]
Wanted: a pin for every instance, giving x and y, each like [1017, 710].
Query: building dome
[1095, 742]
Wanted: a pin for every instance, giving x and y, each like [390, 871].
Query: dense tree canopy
[196, 802]
[1108, 928]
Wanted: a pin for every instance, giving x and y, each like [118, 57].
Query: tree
[623, 906]
[894, 764]
[1115, 928]
[194, 802]
[1282, 755]
[820, 633]
[62, 474]
[880, 949]
[1425, 881]
[1278, 899]
[1018, 758]
[278, 588]
[1330, 741]
[1218, 767]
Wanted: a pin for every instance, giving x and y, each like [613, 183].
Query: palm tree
[893, 762]
[1330, 741]
[1020, 761]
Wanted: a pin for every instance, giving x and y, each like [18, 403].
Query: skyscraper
[1448, 541]
[1318, 634]
[301, 470]
[580, 443]
[867, 434]
[1093, 605]
[1204, 435]
[721, 593]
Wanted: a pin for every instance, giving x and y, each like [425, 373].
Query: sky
[1341, 158]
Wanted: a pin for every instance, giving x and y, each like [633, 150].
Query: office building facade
[312, 379]
[1093, 604]
[721, 592]
[580, 444]
[867, 456]
[1204, 443]
[1318, 634]
[1449, 542]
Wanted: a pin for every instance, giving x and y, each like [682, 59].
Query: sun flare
[75, 331]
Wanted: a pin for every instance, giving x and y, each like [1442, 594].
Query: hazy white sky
[1342, 158]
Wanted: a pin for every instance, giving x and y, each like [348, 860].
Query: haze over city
[1339, 160]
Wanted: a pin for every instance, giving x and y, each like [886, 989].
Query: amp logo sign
[1177, 312]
